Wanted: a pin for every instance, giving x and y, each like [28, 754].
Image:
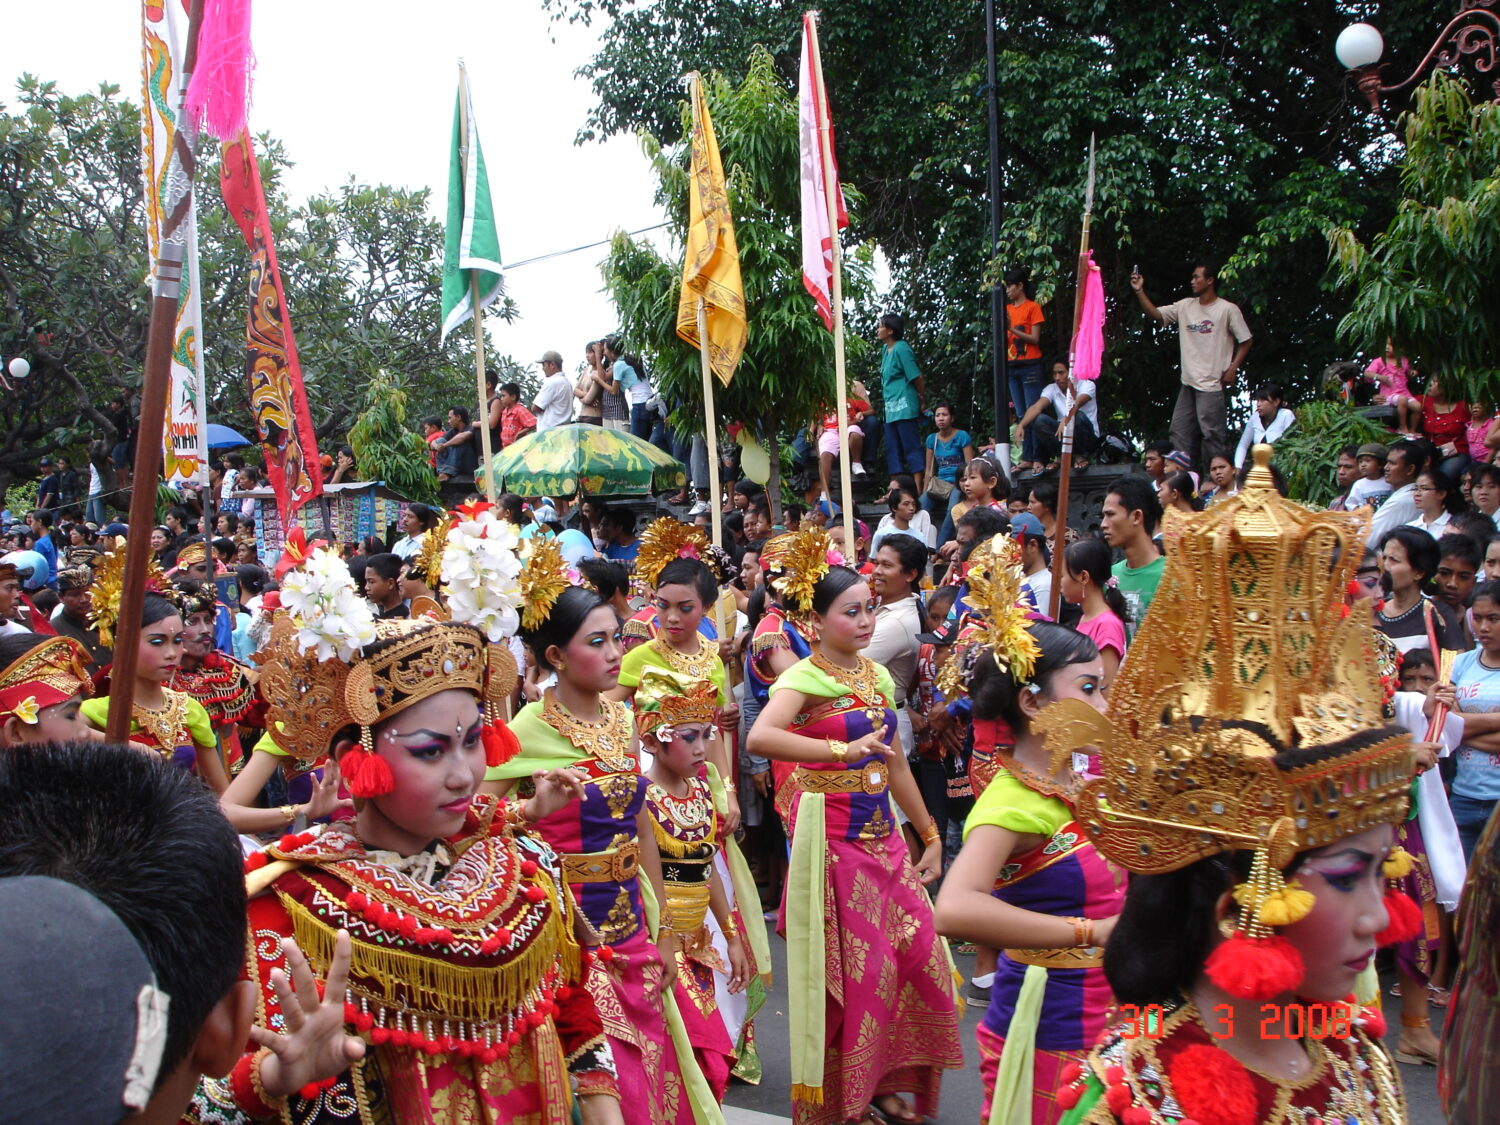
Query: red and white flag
[812, 115]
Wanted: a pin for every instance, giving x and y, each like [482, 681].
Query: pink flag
[812, 114]
[1088, 341]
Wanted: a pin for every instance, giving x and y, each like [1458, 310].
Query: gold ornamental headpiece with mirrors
[1248, 714]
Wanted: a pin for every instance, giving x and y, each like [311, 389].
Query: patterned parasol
[600, 461]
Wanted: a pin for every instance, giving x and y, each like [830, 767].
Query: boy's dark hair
[793, 511]
[148, 841]
[386, 564]
[1457, 545]
[986, 522]
[1137, 495]
[748, 488]
[606, 576]
[1160, 448]
[434, 421]
[1209, 267]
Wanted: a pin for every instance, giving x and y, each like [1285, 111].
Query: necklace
[1405, 613]
[1064, 791]
[689, 813]
[166, 724]
[863, 679]
[699, 665]
[609, 740]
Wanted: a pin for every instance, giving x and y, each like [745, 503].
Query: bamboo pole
[171, 257]
[1065, 429]
[711, 436]
[830, 194]
[484, 406]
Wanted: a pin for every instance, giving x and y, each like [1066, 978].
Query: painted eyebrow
[1363, 856]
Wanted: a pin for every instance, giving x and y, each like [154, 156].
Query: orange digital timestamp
[1275, 1021]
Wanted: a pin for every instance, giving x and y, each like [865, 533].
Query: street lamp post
[1473, 34]
[1000, 373]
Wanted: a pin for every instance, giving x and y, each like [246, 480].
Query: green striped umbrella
[593, 459]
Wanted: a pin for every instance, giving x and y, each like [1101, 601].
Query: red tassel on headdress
[366, 774]
[500, 743]
[1406, 919]
[1255, 968]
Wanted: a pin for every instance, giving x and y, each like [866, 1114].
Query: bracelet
[729, 787]
[731, 931]
[288, 811]
[256, 1085]
[1083, 932]
[930, 834]
[839, 750]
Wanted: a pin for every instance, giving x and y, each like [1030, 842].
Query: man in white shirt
[1209, 329]
[1070, 400]
[1403, 465]
[897, 570]
[1027, 530]
[554, 402]
[1269, 421]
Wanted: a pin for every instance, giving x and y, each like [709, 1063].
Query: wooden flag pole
[486, 465]
[711, 436]
[1065, 431]
[171, 257]
[830, 194]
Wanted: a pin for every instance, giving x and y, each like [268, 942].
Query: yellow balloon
[754, 459]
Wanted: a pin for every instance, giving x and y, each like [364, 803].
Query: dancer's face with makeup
[437, 762]
[1337, 938]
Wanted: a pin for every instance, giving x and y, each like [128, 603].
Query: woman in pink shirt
[1390, 373]
[1087, 582]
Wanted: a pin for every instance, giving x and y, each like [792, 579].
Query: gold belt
[1088, 957]
[871, 779]
[614, 866]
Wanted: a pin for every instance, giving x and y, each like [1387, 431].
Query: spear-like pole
[1065, 429]
[171, 261]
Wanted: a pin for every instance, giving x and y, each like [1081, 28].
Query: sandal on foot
[906, 1115]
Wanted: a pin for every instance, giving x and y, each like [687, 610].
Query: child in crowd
[1270, 420]
[1088, 583]
[1390, 373]
[1371, 488]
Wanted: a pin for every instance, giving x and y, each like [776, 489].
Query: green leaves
[1428, 279]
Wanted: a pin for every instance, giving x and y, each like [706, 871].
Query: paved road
[769, 1104]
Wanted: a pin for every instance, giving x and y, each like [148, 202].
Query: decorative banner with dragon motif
[278, 398]
[170, 212]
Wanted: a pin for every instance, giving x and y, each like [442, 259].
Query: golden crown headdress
[49, 673]
[427, 564]
[311, 700]
[666, 698]
[1249, 716]
[802, 563]
[544, 576]
[109, 585]
[665, 541]
[999, 629]
[1251, 696]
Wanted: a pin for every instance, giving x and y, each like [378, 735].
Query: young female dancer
[872, 996]
[43, 682]
[418, 963]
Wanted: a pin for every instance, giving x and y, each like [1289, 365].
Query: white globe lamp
[1359, 45]
[19, 368]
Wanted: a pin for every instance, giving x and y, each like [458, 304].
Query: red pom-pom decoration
[366, 774]
[1113, 1075]
[288, 843]
[1070, 1073]
[1136, 1115]
[535, 893]
[528, 868]
[408, 927]
[1118, 1098]
[1372, 1020]
[1212, 1087]
[380, 1035]
[1255, 968]
[357, 900]
[500, 744]
[309, 1092]
[1406, 919]
[256, 861]
[605, 952]
[1068, 1097]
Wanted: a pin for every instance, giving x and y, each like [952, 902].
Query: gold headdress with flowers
[427, 563]
[1000, 630]
[664, 699]
[544, 576]
[1248, 717]
[52, 672]
[802, 564]
[664, 541]
[109, 585]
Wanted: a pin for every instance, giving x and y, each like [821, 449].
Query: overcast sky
[367, 90]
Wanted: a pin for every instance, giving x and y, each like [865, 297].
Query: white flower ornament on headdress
[330, 615]
[482, 572]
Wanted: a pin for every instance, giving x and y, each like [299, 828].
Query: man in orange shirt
[1023, 354]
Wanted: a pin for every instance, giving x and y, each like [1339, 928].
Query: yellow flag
[711, 269]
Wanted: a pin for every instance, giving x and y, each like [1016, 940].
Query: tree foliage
[1224, 129]
[360, 264]
[387, 448]
[1429, 279]
[786, 374]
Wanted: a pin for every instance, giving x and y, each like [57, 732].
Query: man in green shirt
[901, 386]
[1128, 521]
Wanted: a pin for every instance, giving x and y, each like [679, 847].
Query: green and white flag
[471, 244]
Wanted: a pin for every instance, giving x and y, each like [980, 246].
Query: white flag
[817, 239]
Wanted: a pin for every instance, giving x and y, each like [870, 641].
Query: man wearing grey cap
[554, 402]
